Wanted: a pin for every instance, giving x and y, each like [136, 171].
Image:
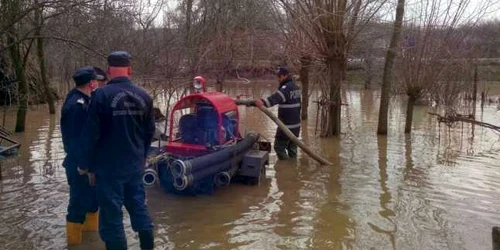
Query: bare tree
[39, 23]
[11, 10]
[305, 67]
[389, 62]
[21, 25]
[436, 59]
[331, 26]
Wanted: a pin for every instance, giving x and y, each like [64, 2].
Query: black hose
[185, 181]
[186, 167]
[222, 179]
[149, 177]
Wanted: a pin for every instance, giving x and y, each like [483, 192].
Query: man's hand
[91, 179]
[81, 171]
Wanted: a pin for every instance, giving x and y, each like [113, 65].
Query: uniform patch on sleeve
[81, 101]
[284, 87]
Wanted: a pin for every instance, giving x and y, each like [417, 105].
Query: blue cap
[84, 75]
[100, 74]
[119, 59]
[282, 71]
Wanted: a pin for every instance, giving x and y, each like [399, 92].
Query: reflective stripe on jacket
[288, 96]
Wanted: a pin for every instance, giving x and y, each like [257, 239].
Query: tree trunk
[12, 11]
[219, 86]
[495, 236]
[22, 86]
[474, 91]
[188, 39]
[189, 10]
[336, 73]
[388, 68]
[409, 113]
[49, 97]
[304, 79]
[368, 71]
[474, 94]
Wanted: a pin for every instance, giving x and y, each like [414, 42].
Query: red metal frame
[178, 148]
[222, 104]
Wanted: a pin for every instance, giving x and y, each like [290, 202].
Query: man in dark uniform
[82, 208]
[120, 128]
[288, 98]
[101, 76]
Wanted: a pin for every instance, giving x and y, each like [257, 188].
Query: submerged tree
[21, 26]
[40, 51]
[305, 67]
[436, 58]
[331, 26]
[389, 62]
[11, 10]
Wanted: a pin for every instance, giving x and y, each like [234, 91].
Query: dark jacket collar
[79, 93]
[120, 79]
[288, 79]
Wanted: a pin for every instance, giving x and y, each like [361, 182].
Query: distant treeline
[43, 41]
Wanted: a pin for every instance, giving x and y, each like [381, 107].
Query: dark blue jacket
[120, 129]
[288, 97]
[73, 118]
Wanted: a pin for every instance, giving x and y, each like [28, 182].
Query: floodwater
[436, 189]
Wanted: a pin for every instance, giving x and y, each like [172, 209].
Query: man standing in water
[120, 128]
[288, 98]
[82, 208]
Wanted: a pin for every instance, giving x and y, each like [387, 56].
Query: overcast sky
[493, 11]
[482, 10]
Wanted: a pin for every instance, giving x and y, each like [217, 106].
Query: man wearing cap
[288, 97]
[101, 76]
[120, 128]
[82, 208]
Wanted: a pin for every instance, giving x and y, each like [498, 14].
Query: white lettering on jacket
[295, 94]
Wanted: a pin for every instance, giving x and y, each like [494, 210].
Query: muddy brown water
[435, 189]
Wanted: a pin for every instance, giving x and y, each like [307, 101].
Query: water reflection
[334, 228]
[435, 189]
[385, 194]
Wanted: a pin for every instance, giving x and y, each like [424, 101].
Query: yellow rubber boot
[91, 222]
[74, 233]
